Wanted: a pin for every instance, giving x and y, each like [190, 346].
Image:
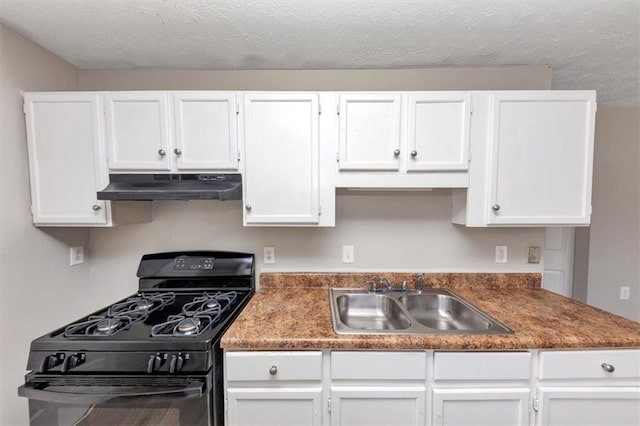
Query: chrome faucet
[385, 281]
[420, 283]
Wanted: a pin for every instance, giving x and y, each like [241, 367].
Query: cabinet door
[205, 126]
[137, 131]
[397, 405]
[369, 131]
[509, 407]
[541, 158]
[438, 131]
[281, 182]
[64, 136]
[276, 407]
[589, 406]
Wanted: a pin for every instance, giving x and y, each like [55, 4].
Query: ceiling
[590, 44]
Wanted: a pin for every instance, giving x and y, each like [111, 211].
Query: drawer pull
[608, 367]
[273, 370]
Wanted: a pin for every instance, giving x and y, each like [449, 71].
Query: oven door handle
[116, 394]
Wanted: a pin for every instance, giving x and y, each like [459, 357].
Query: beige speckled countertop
[291, 311]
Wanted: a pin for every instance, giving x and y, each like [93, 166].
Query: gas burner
[188, 326]
[107, 325]
[197, 316]
[142, 304]
[99, 325]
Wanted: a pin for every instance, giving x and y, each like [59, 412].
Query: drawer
[273, 366]
[378, 365]
[589, 364]
[482, 366]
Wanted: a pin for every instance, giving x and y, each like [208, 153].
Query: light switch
[347, 254]
[501, 254]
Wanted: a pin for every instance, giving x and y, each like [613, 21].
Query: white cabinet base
[389, 405]
[595, 406]
[274, 407]
[491, 407]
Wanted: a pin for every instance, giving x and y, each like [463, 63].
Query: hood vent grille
[147, 187]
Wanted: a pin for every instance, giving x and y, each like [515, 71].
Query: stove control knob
[154, 363]
[51, 361]
[177, 361]
[72, 361]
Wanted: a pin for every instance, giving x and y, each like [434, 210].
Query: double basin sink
[431, 311]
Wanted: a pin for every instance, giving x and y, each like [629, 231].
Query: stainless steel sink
[432, 311]
[371, 312]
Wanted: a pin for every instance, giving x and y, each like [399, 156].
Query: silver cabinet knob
[396, 152]
[248, 207]
[177, 151]
[96, 207]
[414, 153]
[273, 370]
[608, 367]
[162, 152]
[495, 207]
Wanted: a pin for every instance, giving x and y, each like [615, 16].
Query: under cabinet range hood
[147, 187]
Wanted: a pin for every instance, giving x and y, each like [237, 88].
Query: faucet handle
[420, 282]
[374, 286]
[404, 285]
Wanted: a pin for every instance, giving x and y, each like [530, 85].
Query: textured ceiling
[590, 44]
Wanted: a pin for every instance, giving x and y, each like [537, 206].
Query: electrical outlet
[269, 255]
[347, 254]
[534, 255]
[501, 254]
[625, 293]
[76, 255]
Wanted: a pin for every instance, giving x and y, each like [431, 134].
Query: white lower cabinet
[589, 406]
[485, 406]
[274, 406]
[481, 388]
[397, 404]
[331, 387]
[595, 387]
[273, 388]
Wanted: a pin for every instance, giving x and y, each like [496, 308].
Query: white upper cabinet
[205, 130]
[532, 160]
[65, 141]
[281, 170]
[138, 131]
[369, 131]
[172, 131]
[541, 158]
[438, 131]
[403, 139]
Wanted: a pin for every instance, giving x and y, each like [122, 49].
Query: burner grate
[197, 316]
[120, 316]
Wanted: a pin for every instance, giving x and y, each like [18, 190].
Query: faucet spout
[386, 282]
[420, 283]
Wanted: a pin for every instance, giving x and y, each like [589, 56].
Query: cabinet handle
[495, 207]
[162, 152]
[177, 151]
[396, 152]
[273, 370]
[96, 207]
[414, 153]
[608, 367]
[248, 207]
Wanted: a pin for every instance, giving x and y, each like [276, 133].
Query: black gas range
[153, 358]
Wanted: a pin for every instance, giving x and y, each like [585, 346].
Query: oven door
[118, 400]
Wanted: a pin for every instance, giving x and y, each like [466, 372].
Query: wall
[614, 250]
[390, 231]
[34, 263]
